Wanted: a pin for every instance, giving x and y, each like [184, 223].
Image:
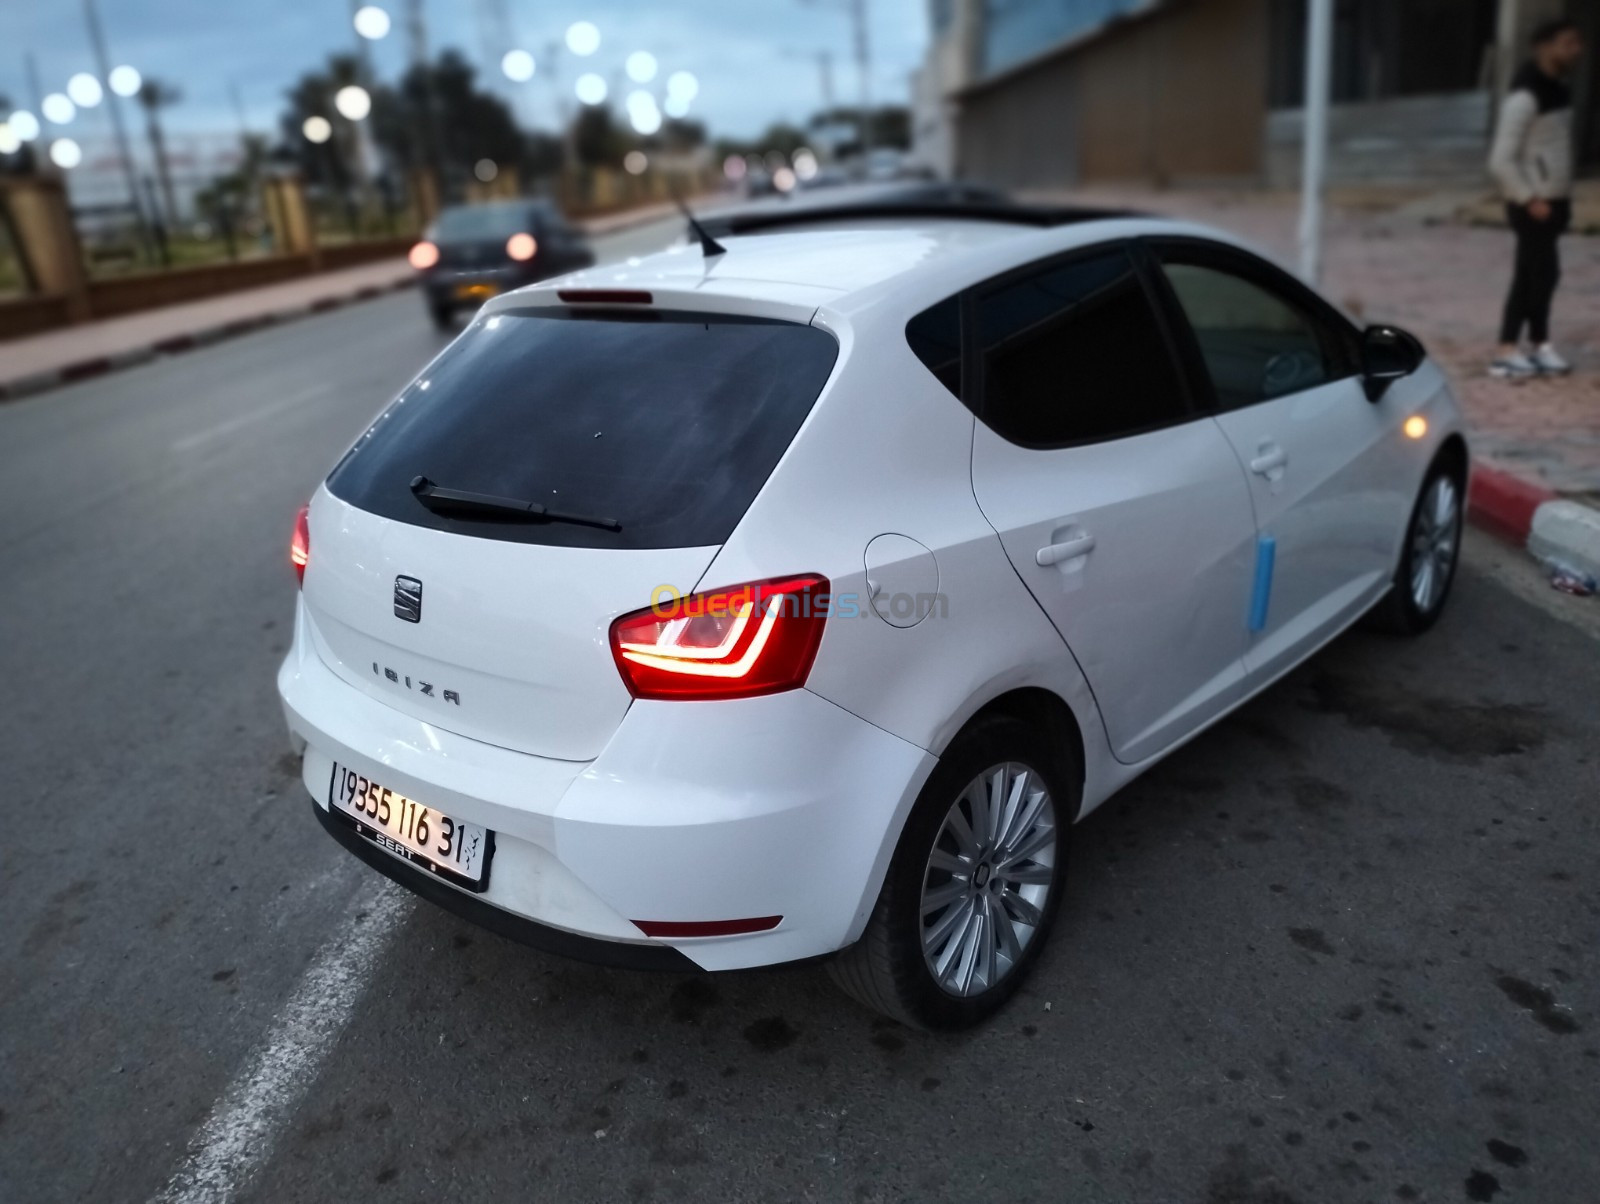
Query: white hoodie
[1532, 153]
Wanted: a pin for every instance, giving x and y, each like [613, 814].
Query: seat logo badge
[408, 599]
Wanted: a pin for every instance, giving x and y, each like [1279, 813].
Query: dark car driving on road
[474, 252]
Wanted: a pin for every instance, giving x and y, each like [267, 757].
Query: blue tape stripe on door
[1266, 555]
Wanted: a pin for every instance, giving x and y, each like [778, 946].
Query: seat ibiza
[793, 596]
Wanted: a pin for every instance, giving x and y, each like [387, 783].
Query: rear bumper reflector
[670, 929]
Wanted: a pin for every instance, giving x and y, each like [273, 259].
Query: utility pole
[1319, 59]
[864, 66]
[863, 47]
[102, 63]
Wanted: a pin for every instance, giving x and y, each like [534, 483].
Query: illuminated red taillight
[750, 639]
[423, 256]
[300, 543]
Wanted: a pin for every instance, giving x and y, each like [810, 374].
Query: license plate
[451, 848]
[475, 292]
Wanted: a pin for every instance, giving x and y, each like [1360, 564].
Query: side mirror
[1388, 354]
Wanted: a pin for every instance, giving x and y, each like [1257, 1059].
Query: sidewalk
[38, 362]
[42, 361]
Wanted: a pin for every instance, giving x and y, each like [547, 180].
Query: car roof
[845, 264]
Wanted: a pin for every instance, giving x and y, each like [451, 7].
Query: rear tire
[1428, 558]
[960, 922]
[443, 314]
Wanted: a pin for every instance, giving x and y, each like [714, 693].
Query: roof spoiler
[756, 221]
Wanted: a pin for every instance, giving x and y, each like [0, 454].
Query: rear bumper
[784, 805]
[497, 919]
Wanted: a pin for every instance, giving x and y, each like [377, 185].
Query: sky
[755, 59]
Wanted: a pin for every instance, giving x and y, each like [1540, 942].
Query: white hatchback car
[793, 598]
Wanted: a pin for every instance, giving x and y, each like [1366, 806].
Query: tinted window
[668, 423]
[1073, 354]
[935, 337]
[1256, 345]
[467, 222]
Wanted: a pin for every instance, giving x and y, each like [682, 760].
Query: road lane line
[250, 417]
[244, 1124]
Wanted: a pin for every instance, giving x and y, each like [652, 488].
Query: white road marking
[250, 417]
[245, 1123]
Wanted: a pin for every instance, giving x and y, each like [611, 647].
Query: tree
[154, 95]
[439, 117]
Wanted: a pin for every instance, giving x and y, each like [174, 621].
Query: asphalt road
[1343, 947]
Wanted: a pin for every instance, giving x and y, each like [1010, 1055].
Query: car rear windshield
[485, 221]
[668, 423]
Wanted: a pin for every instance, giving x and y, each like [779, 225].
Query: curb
[1534, 518]
[26, 386]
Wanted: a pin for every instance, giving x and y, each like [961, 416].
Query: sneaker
[1548, 361]
[1515, 366]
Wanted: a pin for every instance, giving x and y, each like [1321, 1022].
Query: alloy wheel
[1434, 537]
[988, 879]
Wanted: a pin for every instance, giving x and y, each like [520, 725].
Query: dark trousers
[1538, 271]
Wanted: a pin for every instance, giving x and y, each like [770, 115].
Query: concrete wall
[1179, 95]
[1409, 140]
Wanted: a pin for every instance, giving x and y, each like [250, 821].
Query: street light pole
[103, 64]
[1319, 56]
[864, 66]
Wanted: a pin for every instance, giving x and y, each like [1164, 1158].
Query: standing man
[1532, 163]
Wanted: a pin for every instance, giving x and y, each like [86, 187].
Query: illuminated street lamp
[591, 88]
[371, 22]
[317, 129]
[85, 91]
[643, 114]
[65, 153]
[57, 109]
[353, 102]
[641, 66]
[518, 66]
[10, 144]
[24, 125]
[125, 80]
[583, 38]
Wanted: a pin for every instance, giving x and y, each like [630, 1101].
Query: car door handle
[1071, 549]
[1269, 461]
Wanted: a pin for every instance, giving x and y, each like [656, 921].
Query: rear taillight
[750, 639]
[300, 543]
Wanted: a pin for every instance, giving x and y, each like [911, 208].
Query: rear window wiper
[485, 505]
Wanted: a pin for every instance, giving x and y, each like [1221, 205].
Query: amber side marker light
[1416, 426]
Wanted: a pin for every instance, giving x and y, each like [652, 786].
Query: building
[1059, 93]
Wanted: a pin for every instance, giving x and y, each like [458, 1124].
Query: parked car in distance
[473, 252]
[792, 595]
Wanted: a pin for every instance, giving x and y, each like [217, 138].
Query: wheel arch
[1043, 709]
[1453, 452]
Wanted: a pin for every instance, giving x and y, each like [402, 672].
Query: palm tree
[154, 95]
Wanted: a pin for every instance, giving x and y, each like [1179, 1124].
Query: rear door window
[668, 423]
[1073, 353]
